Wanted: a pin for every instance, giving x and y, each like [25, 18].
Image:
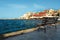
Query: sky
[16, 8]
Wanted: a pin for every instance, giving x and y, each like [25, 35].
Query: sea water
[7, 26]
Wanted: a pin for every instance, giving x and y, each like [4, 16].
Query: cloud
[17, 6]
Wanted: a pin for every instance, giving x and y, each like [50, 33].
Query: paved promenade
[51, 33]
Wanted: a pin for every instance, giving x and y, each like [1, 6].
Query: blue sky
[16, 8]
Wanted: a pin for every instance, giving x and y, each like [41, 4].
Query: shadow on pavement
[1, 37]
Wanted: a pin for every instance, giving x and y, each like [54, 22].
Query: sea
[12, 25]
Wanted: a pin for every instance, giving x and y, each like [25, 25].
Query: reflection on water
[51, 34]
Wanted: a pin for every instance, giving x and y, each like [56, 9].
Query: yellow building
[58, 12]
[27, 15]
[51, 11]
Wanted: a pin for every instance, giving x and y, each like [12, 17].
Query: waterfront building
[49, 12]
[58, 11]
[38, 15]
[27, 15]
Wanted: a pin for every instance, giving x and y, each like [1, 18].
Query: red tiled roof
[40, 14]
